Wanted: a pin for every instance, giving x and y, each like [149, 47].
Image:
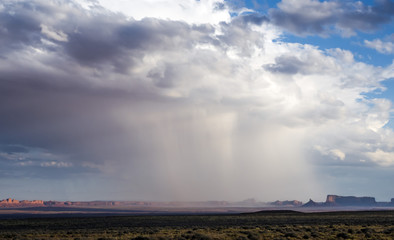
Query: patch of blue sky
[260, 6]
[354, 44]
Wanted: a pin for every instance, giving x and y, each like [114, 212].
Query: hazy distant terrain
[12, 208]
[15, 209]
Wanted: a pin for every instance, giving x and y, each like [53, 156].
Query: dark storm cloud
[164, 78]
[12, 171]
[18, 26]
[254, 18]
[91, 44]
[290, 64]
[55, 94]
[102, 37]
[286, 65]
[237, 33]
[322, 17]
[10, 149]
[60, 117]
[368, 18]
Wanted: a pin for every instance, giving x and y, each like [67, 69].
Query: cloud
[21, 27]
[385, 47]
[288, 65]
[326, 17]
[55, 164]
[125, 42]
[338, 153]
[152, 104]
[254, 18]
[382, 157]
[190, 11]
[9, 149]
[335, 154]
[53, 34]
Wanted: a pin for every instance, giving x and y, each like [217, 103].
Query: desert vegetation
[264, 225]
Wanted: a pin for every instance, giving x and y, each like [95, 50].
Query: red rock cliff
[334, 200]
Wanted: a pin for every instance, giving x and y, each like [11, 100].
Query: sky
[187, 100]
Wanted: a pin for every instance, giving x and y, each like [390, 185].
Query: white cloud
[335, 154]
[382, 157]
[191, 11]
[386, 47]
[338, 154]
[379, 115]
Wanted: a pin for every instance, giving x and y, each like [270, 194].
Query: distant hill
[13, 203]
[292, 203]
[349, 201]
[9, 202]
[331, 201]
[311, 203]
[335, 200]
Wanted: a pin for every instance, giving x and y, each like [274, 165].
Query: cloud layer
[325, 17]
[168, 109]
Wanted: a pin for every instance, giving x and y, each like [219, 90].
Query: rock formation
[9, 202]
[312, 203]
[334, 200]
[293, 203]
[347, 201]
[331, 201]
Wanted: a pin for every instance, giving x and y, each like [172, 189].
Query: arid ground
[260, 225]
